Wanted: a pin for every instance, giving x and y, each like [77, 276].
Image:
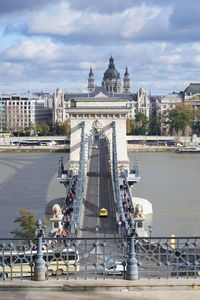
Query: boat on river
[190, 149]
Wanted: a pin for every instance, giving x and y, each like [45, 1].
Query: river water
[169, 180]
[27, 180]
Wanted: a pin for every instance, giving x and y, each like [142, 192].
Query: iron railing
[101, 258]
[120, 218]
[78, 200]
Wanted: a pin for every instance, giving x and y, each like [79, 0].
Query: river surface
[27, 180]
[170, 181]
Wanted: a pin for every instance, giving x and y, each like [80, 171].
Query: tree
[42, 128]
[142, 124]
[177, 120]
[155, 126]
[39, 129]
[132, 125]
[27, 224]
[45, 128]
[128, 128]
[65, 127]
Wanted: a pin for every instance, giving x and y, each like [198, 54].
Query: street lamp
[150, 230]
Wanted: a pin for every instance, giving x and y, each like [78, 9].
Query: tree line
[44, 129]
[182, 120]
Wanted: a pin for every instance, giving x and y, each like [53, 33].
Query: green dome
[111, 72]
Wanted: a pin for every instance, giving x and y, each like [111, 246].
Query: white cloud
[71, 40]
[59, 20]
[169, 59]
[42, 50]
[12, 70]
[133, 20]
[62, 20]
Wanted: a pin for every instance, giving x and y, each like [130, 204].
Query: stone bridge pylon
[98, 115]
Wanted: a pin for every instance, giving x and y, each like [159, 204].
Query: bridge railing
[78, 200]
[100, 258]
[120, 217]
[74, 184]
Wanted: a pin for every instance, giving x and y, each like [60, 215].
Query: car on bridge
[103, 212]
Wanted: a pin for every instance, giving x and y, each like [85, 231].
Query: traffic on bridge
[98, 195]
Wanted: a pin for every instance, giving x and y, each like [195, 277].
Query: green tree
[155, 126]
[177, 120]
[132, 126]
[142, 124]
[45, 128]
[39, 129]
[27, 223]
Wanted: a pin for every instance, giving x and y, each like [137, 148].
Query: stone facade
[143, 102]
[59, 114]
[98, 114]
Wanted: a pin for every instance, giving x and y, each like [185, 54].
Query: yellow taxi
[103, 212]
[95, 147]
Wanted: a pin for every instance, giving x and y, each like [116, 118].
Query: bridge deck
[98, 195]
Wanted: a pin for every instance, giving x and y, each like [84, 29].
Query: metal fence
[100, 258]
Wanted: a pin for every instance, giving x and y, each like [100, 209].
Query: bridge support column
[132, 268]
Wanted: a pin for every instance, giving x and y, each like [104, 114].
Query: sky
[46, 44]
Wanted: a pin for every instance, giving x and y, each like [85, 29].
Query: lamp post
[150, 230]
[39, 272]
[132, 268]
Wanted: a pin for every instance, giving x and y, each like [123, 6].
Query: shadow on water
[25, 182]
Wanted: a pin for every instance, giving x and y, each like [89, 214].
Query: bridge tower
[98, 113]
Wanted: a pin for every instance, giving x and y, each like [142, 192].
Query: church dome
[111, 72]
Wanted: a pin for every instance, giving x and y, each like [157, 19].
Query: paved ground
[105, 289]
[98, 195]
[123, 294]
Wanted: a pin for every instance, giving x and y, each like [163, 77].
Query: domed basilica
[110, 89]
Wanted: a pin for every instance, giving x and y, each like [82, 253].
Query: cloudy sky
[46, 44]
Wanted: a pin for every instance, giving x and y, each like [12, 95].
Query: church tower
[126, 86]
[58, 106]
[111, 80]
[90, 81]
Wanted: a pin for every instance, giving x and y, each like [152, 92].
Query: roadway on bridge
[98, 195]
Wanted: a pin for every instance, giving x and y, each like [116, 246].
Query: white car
[52, 143]
[118, 268]
[179, 144]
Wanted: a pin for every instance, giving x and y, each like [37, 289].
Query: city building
[18, 111]
[192, 95]
[165, 103]
[111, 89]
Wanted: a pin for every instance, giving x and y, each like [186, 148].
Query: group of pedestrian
[67, 212]
[126, 202]
[68, 206]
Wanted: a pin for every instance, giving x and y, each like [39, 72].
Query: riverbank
[65, 148]
[147, 148]
[34, 149]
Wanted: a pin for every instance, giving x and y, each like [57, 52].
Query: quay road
[98, 195]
